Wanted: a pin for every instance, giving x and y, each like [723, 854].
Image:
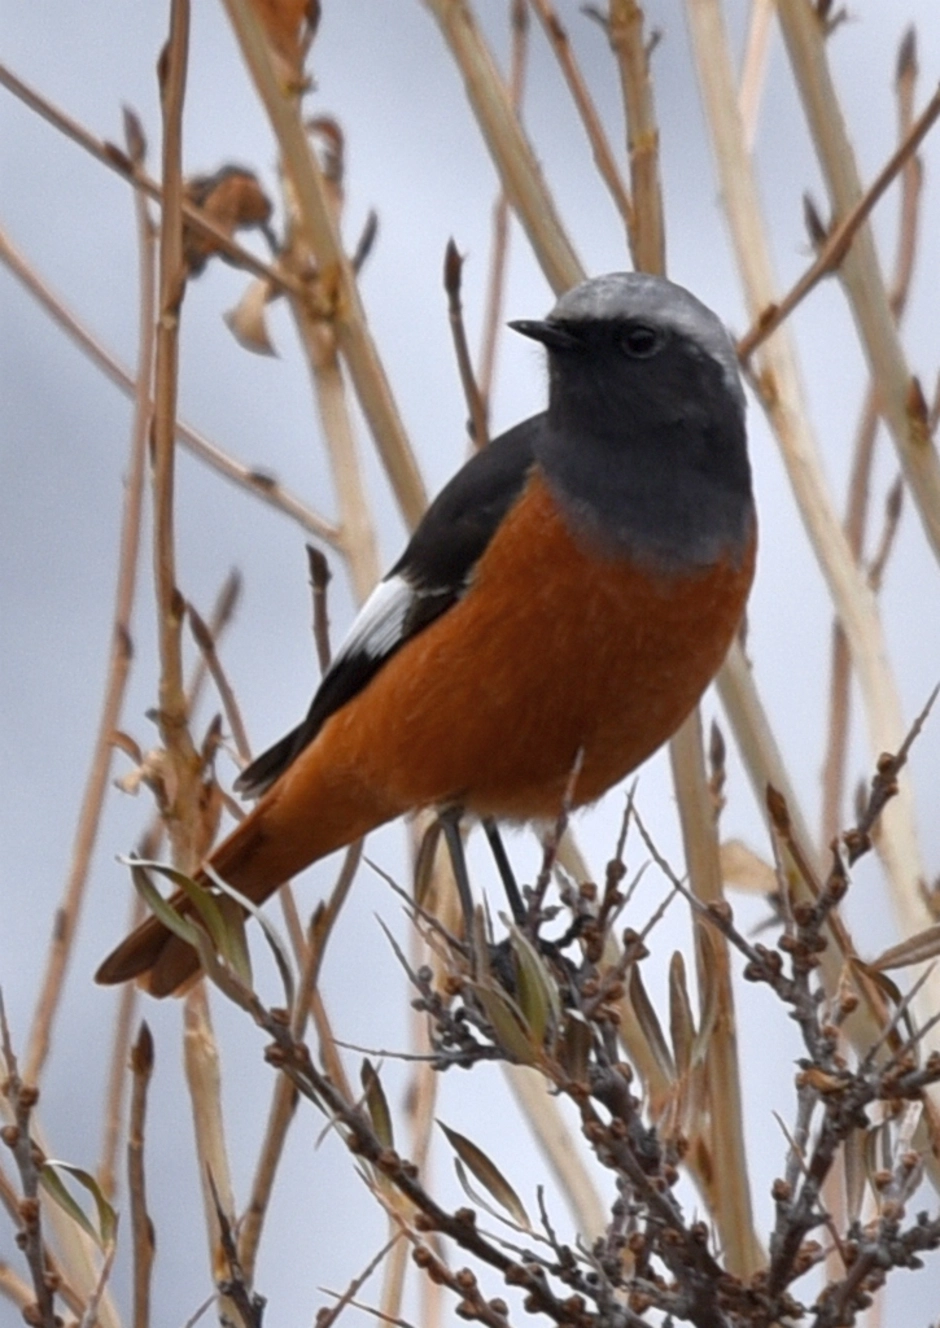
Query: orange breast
[552, 650]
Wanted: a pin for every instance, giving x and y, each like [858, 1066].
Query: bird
[555, 617]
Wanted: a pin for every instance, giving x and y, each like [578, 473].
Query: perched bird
[573, 589]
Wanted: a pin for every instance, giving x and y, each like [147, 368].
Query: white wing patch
[379, 625]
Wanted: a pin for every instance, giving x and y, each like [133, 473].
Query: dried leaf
[536, 991]
[745, 870]
[575, 1046]
[681, 1020]
[247, 321]
[709, 995]
[855, 1172]
[649, 1025]
[269, 931]
[511, 1032]
[924, 945]
[888, 989]
[377, 1104]
[233, 200]
[103, 1235]
[487, 1174]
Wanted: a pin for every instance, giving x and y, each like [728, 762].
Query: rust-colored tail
[312, 810]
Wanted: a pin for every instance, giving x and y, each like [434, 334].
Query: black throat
[648, 457]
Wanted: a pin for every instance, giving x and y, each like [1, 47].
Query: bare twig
[840, 240]
[601, 150]
[118, 670]
[260, 485]
[647, 225]
[341, 303]
[860, 274]
[453, 264]
[22, 1098]
[508, 146]
[499, 248]
[118, 161]
[834, 772]
[141, 1226]
[206, 643]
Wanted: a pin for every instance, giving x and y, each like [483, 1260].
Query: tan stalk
[142, 1232]
[729, 1190]
[499, 249]
[861, 275]
[204, 1081]
[118, 161]
[310, 958]
[127, 1002]
[440, 897]
[834, 772]
[258, 484]
[149, 849]
[780, 390]
[601, 150]
[118, 671]
[518, 168]
[182, 791]
[183, 797]
[754, 67]
[14, 1289]
[342, 306]
[559, 1148]
[647, 229]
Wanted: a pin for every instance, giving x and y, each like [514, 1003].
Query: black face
[644, 427]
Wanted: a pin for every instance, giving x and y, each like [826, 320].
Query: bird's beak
[550, 334]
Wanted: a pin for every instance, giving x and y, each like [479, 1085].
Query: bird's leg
[504, 867]
[450, 823]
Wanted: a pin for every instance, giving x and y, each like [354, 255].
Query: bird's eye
[640, 341]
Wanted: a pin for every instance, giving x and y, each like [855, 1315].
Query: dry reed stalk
[259, 485]
[118, 161]
[499, 248]
[647, 228]
[601, 150]
[341, 303]
[518, 168]
[778, 385]
[860, 273]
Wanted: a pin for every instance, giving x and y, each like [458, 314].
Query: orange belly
[550, 652]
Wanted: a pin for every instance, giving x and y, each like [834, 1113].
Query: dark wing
[431, 575]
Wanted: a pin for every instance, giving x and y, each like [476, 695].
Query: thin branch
[118, 671]
[141, 1226]
[453, 264]
[839, 242]
[860, 274]
[341, 302]
[257, 483]
[22, 1098]
[647, 229]
[511, 151]
[123, 165]
[499, 247]
[202, 634]
[601, 150]
[833, 778]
